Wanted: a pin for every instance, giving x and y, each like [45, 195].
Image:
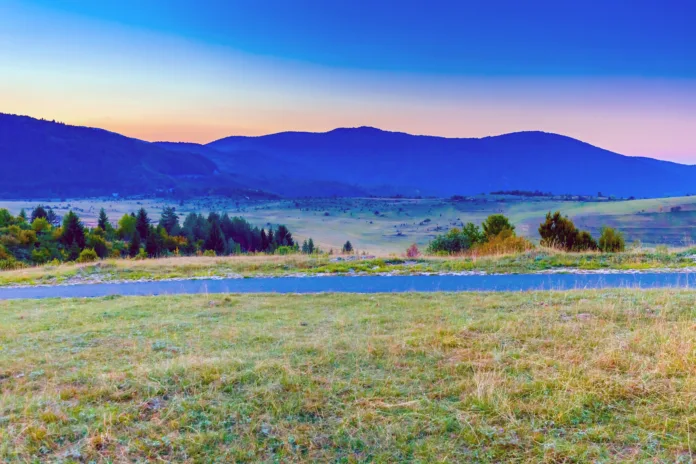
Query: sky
[618, 74]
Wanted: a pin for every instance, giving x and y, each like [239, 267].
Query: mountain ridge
[43, 157]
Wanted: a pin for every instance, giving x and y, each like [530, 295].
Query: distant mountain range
[42, 158]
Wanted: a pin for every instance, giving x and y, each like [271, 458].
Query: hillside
[48, 159]
[445, 166]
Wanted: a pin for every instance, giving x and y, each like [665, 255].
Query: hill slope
[48, 159]
[371, 158]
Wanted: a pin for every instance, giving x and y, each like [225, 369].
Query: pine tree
[39, 212]
[170, 220]
[216, 239]
[153, 245]
[103, 222]
[23, 215]
[271, 241]
[264, 240]
[284, 237]
[142, 223]
[310, 246]
[305, 247]
[73, 231]
[348, 247]
[134, 247]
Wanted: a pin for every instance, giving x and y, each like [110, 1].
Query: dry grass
[526, 377]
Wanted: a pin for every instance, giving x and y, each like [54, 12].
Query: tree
[142, 223]
[22, 215]
[611, 241]
[153, 243]
[216, 239]
[73, 232]
[170, 220]
[39, 212]
[310, 246]
[134, 246]
[305, 247]
[103, 221]
[454, 241]
[347, 247]
[126, 227]
[558, 231]
[264, 240]
[283, 236]
[495, 224]
[473, 233]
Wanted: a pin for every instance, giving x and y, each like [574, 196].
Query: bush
[413, 251]
[347, 247]
[452, 242]
[209, 253]
[495, 224]
[88, 255]
[503, 243]
[611, 241]
[10, 264]
[285, 250]
[559, 232]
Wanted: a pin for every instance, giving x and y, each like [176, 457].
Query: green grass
[262, 265]
[519, 377]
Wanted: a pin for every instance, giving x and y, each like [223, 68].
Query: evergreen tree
[310, 246]
[284, 237]
[73, 231]
[103, 221]
[305, 247]
[39, 212]
[153, 243]
[264, 240]
[170, 220]
[272, 245]
[348, 247]
[216, 239]
[134, 246]
[142, 223]
[23, 215]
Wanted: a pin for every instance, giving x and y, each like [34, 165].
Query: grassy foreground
[249, 266]
[520, 377]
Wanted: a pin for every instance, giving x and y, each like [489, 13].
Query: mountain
[47, 159]
[372, 158]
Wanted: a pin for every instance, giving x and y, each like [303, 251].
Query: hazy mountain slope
[41, 158]
[270, 173]
[446, 166]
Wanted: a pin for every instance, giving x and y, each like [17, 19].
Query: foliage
[347, 247]
[503, 243]
[495, 224]
[87, 255]
[559, 232]
[453, 242]
[611, 241]
[413, 251]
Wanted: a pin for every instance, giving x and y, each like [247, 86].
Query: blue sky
[618, 74]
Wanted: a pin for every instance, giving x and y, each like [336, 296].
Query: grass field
[521, 377]
[391, 225]
[539, 260]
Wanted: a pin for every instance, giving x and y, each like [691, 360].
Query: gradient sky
[617, 74]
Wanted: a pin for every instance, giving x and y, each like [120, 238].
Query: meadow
[383, 226]
[515, 377]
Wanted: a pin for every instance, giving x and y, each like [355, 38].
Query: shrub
[503, 243]
[413, 251]
[495, 224]
[88, 255]
[452, 242]
[210, 253]
[10, 264]
[611, 241]
[559, 232]
[285, 250]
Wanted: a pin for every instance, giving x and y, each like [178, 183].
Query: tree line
[497, 235]
[43, 237]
